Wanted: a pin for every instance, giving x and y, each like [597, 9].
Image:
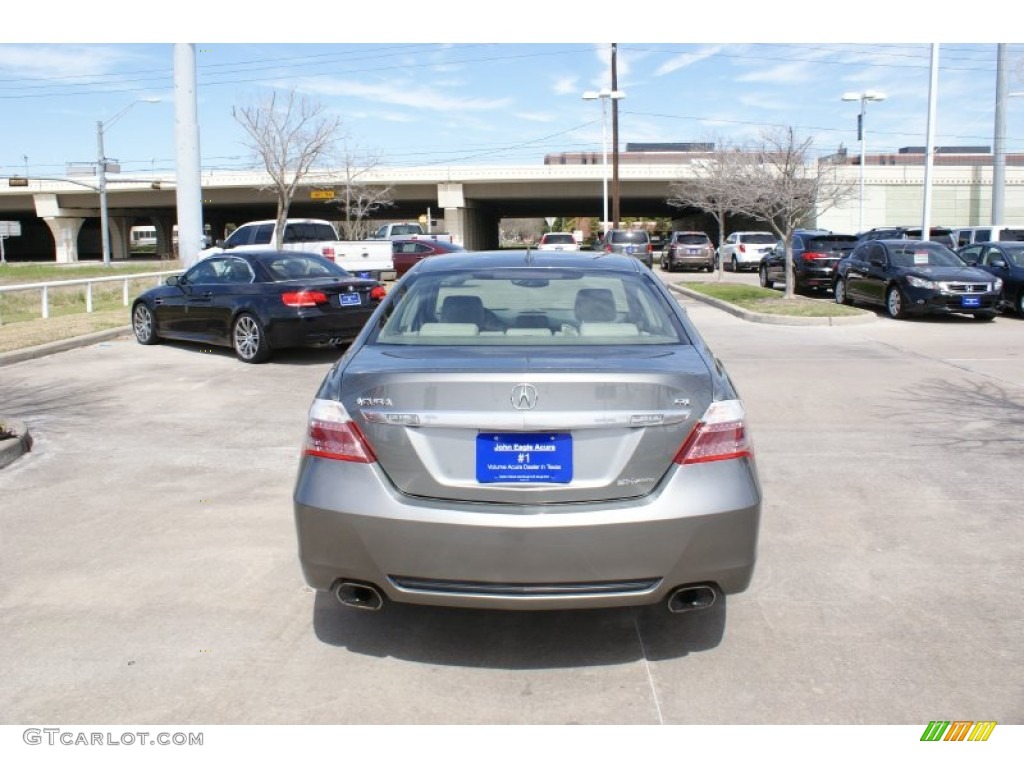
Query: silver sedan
[525, 430]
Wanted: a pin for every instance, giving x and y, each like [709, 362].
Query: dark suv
[688, 249]
[942, 235]
[816, 252]
[635, 242]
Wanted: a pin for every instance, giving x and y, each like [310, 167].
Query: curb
[21, 443]
[53, 347]
[760, 317]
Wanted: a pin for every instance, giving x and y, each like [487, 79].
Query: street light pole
[604, 94]
[863, 98]
[101, 175]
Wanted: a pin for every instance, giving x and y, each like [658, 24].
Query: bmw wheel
[763, 274]
[895, 303]
[144, 325]
[839, 292]
[249, 339]
[1020, 304]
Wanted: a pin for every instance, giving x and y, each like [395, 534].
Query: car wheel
[985, 316]
[895, 304]
[839, 292]
[1020, 304]
[144, 325]
[735, 265]
[249, 340]
[763, 274]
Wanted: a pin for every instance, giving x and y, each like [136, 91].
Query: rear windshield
[1012, 234]
[758, 239]
[309, 232]
[692, 239]
[511, 307]
[287, 265]
[629, 237]
[831, 243]
[559, 239]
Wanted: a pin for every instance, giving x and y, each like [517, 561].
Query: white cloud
[565, 85]
[69, 63]
[404, 95]
[794, 72]
[686, 59]
[534, 117]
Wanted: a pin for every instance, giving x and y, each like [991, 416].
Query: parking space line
[647, 666]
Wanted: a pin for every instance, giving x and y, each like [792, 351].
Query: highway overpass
[59, 220]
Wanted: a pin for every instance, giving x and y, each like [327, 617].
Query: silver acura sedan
[526, 430]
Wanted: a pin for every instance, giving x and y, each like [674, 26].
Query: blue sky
[413, 101]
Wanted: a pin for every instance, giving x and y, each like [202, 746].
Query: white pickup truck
[408, 230]
[369, 258]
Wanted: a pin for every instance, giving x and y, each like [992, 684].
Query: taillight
[377, 293]
[304, 298]
[332, 434]
[812, 255]
[720, 434]
[328, 253]
[608, 248]
[742, 248]
[650, 248]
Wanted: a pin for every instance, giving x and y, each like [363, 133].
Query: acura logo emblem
[524, 397]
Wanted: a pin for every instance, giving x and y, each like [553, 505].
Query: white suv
[743, 250]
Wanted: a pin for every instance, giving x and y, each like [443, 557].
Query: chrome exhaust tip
[362, 596]
[686, 599]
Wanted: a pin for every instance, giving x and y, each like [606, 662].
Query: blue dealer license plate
[350, 299]
[524, 457]
[971, 301]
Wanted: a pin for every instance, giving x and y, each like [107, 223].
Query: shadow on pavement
[518, 639]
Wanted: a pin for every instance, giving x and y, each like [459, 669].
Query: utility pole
[616, 210]
[999, 144]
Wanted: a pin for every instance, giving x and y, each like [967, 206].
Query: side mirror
[998, 263]
[173, 280]
[220, 244]
[877, 261]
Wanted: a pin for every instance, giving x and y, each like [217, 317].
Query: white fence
[88, 282]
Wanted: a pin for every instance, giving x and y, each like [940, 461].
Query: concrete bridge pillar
[65, 231]
[470, 226]
[120, 236]
[164, 236]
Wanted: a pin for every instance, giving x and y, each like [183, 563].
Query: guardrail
[88, 283]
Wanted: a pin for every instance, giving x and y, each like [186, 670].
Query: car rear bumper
[317, 328]
[699, 526]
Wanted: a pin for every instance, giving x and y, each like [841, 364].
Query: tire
[763, 274]
[735, 265]
[895, 304]
[249, 340]
[144, 325]
[839, 292]
[1019, 306]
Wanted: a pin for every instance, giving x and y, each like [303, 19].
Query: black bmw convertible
[257, 302]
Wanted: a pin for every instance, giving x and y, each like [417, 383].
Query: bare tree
[291, 134]
[359, 199]
[713, 186]
[787, 188]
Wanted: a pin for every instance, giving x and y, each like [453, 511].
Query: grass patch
[16, 274]
[34, 332]
[771, 302]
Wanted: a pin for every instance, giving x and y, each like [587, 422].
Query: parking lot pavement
[150, 573]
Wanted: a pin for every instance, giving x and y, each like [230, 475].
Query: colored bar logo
[958, 730]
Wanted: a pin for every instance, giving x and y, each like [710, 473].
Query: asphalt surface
[149, 572]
